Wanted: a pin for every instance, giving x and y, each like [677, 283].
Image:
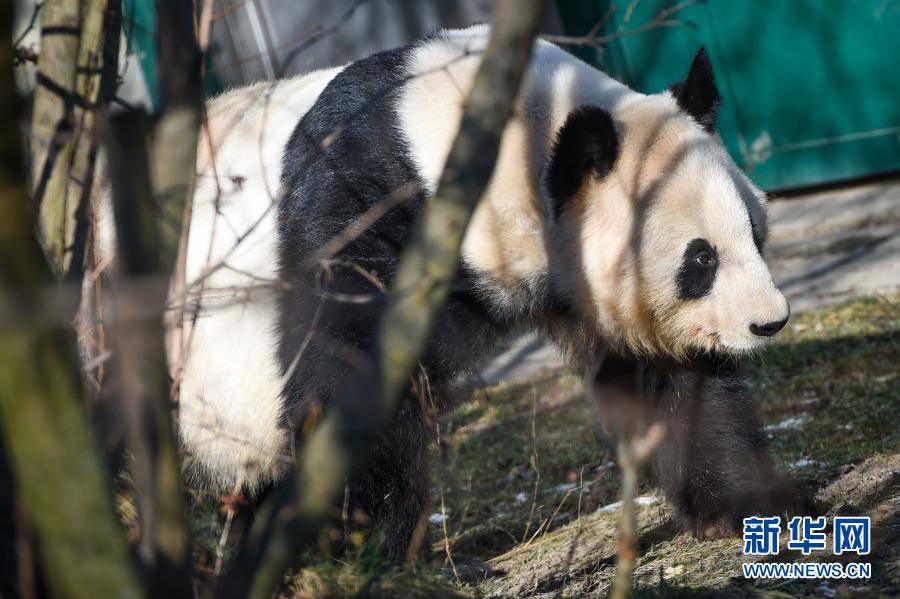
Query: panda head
[657, 232]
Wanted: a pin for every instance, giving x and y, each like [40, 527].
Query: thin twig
[447, 540]
[659, 21]
[229, 518]
[534, 462]
[437, 428]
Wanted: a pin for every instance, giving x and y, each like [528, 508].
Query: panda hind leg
[392, 485]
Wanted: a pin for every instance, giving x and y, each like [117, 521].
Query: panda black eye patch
[698, 270]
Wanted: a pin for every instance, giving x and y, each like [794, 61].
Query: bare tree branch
[616, 386]
[51, 129]
[632, 452]
[89, 322]
[591, 39]
[431, 259]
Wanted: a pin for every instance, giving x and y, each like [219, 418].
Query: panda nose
[768, 329]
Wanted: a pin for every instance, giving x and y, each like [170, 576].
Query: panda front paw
[783, 498]
[787, 499]
[723, 528]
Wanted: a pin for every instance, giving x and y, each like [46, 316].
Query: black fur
[758, 241]
[698, 95]
[698, 270]
[713, 462]
[363, 160]
[586, 145]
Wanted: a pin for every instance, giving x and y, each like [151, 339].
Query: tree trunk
[68, 83]
[61, 482]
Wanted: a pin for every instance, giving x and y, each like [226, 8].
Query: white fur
[230, 402]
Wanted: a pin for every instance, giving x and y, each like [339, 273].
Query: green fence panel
[139, 28]
[811, 88]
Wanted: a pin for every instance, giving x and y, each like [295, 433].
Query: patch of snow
[810, 399]
[566, 487]
[437, 518]
[563, 487]
[826, 590]
[672, 571]
[642, 500]
[791, 423]
[804, 463]
[647, 500]
[609, 508]
[522, 497]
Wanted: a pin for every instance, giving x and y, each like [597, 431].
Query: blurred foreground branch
[173, 156]
[617, 387]
[151, 190]
[632, 452]
[139, 390]
[61, 482]
[428, 267]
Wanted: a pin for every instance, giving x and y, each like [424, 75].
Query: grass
[838, 368]
[522, 471]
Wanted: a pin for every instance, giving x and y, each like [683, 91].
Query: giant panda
[614, 221]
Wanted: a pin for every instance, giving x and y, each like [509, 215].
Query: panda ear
[586, 145]
[698, 95]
